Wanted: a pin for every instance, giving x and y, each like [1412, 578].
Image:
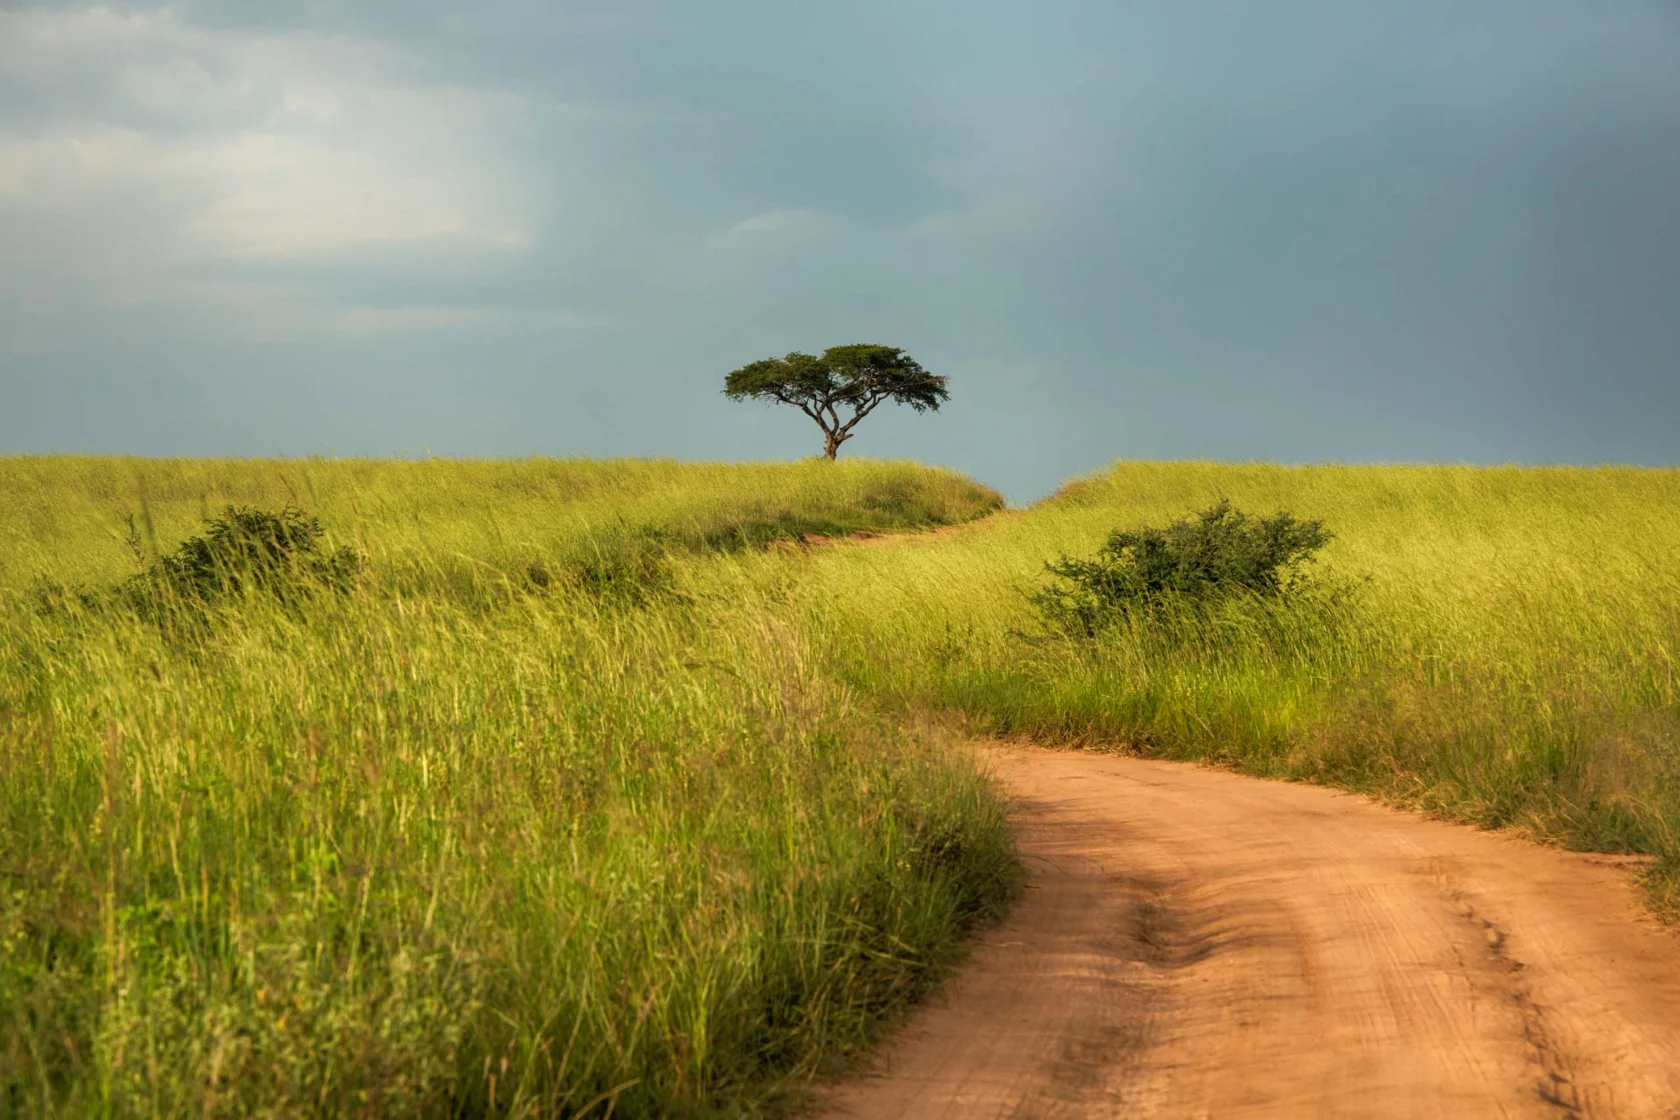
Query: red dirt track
[1194, 943]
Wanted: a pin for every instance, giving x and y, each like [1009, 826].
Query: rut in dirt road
[1196, 943]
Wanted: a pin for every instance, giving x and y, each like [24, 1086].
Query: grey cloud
[1296, 231]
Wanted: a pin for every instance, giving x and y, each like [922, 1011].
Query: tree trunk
[831, 445]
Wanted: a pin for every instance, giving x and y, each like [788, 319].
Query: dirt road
[1194, 943]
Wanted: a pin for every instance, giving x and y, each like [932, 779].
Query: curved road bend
[1194, 943]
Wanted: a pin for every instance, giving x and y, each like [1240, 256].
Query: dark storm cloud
[1292, 231]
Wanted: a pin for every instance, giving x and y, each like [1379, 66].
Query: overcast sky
[1285, 230]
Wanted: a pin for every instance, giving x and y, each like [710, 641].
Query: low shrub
[243, 549]
[1219, 553]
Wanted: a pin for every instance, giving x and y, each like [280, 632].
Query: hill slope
[513, 822]
[1507, 655]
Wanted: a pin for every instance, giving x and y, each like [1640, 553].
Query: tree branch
[859, 411]
[803, 407]
[865, 390]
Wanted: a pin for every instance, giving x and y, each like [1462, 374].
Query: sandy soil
[1194, 943]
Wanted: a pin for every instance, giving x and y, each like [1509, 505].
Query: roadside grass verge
[1502, 650]
[453, 840]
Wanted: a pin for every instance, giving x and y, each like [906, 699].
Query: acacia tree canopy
[841, 387]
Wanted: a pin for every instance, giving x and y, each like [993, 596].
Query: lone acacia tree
[840, 388]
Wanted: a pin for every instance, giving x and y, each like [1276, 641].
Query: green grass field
[1507, 655]
[586, 797]
[65, 515]
[463, 840]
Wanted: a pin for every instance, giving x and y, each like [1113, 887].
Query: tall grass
[583, 800]
[1506, 655]
[458, 841]
[66, 516]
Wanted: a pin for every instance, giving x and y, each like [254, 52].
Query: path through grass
[1508, 656]
[583, 798]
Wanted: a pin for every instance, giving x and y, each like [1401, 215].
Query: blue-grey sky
[1406, 230]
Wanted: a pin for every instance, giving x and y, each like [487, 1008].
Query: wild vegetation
[427, 833]
[1497, 645]
[577, 797]
[841, 387]
[1220, 554]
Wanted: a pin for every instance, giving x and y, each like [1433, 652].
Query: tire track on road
[1193, 943]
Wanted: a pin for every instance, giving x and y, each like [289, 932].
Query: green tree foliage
[1221, 551]
[841, 387]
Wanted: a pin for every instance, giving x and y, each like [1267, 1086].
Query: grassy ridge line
[65, 514]
[1510, 659]
[445, 846]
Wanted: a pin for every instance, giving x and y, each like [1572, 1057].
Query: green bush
[1219, 553]
[244, 549]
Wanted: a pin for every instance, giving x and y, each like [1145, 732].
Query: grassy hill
[515, 823]
[1506, 652]
[66, 515]
[584, 791]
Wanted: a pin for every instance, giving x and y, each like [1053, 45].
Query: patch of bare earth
[1194, 943]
